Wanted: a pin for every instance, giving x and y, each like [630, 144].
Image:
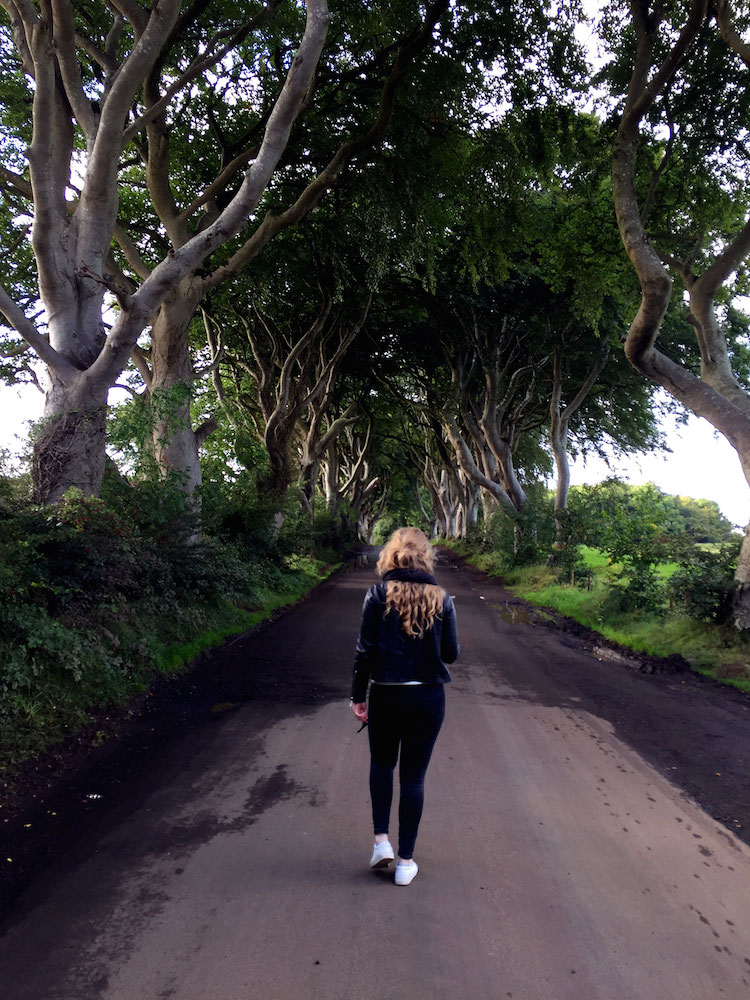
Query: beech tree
[96, 88]
[305, 174]
[684, 59]
[284, 381]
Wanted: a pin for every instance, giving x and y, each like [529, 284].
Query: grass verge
[717, 651]
[124, 649]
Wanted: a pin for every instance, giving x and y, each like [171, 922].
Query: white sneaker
[405, 872]
[382, 855]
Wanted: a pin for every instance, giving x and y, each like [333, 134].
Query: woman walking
[407, 635]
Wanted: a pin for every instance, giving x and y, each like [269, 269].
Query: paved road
[555, 862]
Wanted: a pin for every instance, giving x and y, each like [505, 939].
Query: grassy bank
[113, 652]
[715, 650]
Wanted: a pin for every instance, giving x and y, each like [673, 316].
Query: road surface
[556, 862]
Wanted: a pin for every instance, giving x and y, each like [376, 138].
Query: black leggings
[409, 716]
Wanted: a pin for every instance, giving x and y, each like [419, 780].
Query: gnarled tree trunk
[559, 426]
[72, 240]
[69, 446]
[174, 443]
[715, 394]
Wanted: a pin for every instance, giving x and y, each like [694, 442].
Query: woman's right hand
[360, 710]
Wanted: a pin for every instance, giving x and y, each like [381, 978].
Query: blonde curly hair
[417, 604]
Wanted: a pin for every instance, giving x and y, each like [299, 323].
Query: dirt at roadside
[517, 611]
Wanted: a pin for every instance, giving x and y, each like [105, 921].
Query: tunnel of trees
[289, 274]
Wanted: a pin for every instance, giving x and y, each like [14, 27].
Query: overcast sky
[702, 464]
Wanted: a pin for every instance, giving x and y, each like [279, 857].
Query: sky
[701, 463]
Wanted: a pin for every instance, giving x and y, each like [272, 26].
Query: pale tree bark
[343, 462]
[369, 501]
[431, 479]
[421, 450]
[72, 243]
[715, 394]
[466, 462]
[560, 415]
[430, 518]
[450, 503]
[281, 370]
[288, 389]
[511, 402]
[444, 498]
[180, 307]
[729, 33]
[365, 493]
[347, 477]
[174, 443]
[316, 441]
[449, 471]
[460, 479]
[363, 489]
[496, 399]
[473, 502]
[369, 518]
[318, 427]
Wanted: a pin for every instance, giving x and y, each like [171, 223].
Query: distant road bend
[559, 860]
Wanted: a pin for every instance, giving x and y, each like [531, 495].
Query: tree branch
[729, 33]
[219, 183]
[638, 104]
[727, 262]
[586, 386]
[97, 205]
[49, 163]
[141, 363]
[122, 295]
[63, 38]
[22, 325]
[205, 429]
[130, 250]
[309, 198]
[199, 65]
[466, 462]
[22, 16]
[103, 59]
[657, 175]
[188, 257]
[133, 11]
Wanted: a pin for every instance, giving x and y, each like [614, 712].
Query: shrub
[523, 538]
[153, 507]
[639, 589]
[702, 588]
[70, 572]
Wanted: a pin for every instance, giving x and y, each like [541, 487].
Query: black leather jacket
[387, 654]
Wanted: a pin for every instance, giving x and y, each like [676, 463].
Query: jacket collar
[409, 576]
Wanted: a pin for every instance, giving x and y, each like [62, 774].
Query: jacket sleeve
[449, 648]
[364, 657]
